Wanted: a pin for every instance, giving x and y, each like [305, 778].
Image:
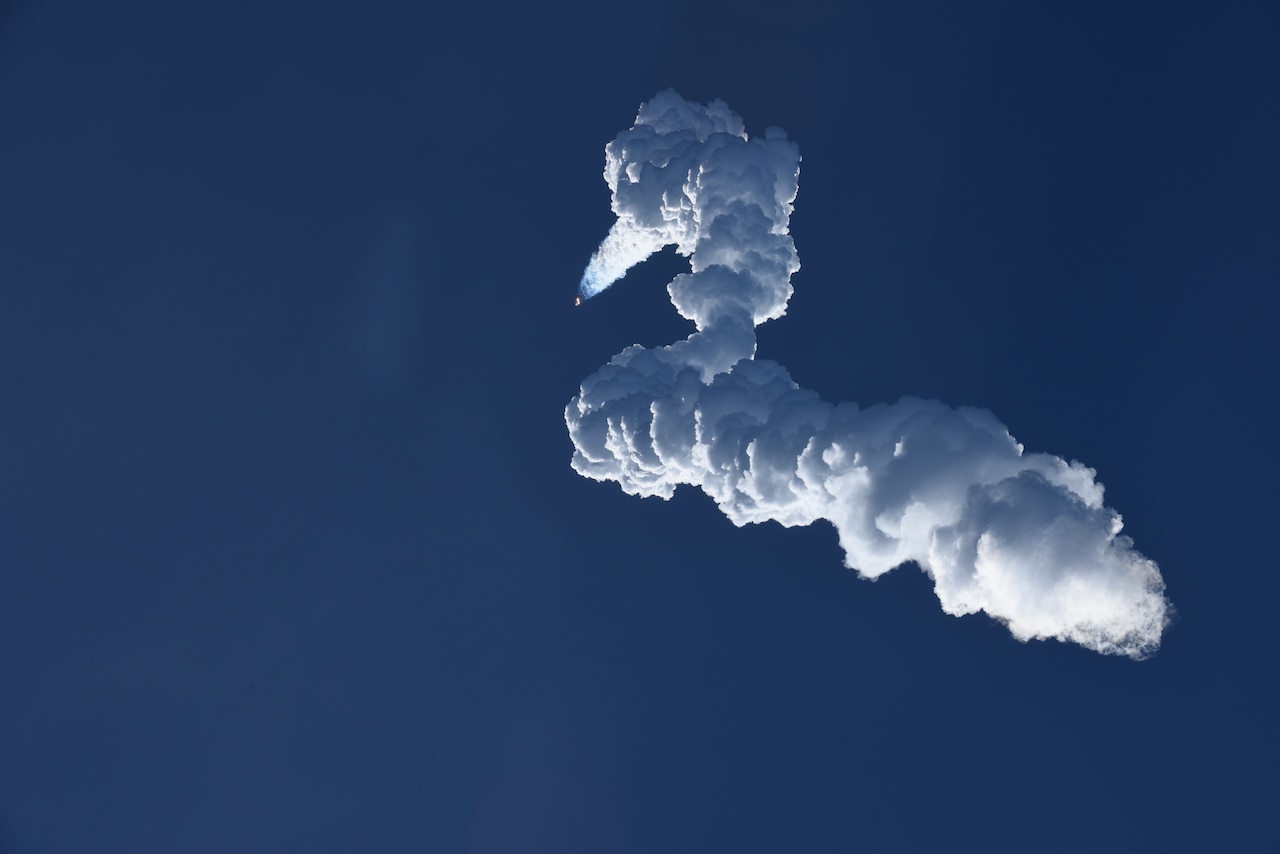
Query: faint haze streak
[1024, 537]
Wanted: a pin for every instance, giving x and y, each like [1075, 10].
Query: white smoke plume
[1023, 537]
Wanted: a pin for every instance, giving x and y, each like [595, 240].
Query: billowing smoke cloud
[1023, 537]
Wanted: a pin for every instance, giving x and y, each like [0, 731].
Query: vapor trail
[1023, 537]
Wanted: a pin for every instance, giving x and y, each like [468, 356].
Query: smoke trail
[1023, 537]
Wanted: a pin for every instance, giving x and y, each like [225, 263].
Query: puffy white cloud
[1023, 537]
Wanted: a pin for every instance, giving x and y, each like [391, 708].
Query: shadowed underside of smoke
[1023, 537]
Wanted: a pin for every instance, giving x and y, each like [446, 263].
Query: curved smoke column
[1023, 537]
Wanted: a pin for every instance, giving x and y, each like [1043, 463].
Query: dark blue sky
[291, 555]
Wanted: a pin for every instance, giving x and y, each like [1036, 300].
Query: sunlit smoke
[625, 246]
[1024, 537]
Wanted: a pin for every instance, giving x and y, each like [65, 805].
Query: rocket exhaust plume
[1024, 537]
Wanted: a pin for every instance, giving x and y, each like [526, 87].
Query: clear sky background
[291, 555]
